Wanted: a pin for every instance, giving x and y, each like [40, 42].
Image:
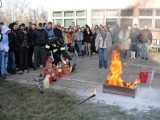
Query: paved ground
[88, 77]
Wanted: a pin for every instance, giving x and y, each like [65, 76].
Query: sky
[33, 3]
[39, 3]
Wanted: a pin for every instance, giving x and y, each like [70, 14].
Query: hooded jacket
[4, 44]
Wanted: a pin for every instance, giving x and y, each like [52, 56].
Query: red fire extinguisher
[66, 69]
[59, 71]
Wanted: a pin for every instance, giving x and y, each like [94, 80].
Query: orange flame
[114, 78]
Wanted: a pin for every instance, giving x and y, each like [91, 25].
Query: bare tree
[21, 11]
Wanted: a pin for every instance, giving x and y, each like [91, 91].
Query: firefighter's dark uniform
[56, 49]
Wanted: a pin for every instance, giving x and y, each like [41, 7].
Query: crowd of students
[23, 47]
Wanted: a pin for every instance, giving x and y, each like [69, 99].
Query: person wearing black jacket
[57, 31]
[22, 42]
[16, 47]
[88, 40]
[40, 38]
[11, 53]
[31, 47]
[93, 47]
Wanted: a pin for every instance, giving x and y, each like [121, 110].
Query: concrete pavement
[88, 77]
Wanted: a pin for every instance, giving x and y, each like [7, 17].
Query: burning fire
[114, 78]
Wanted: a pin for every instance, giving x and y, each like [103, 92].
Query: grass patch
[20, 102]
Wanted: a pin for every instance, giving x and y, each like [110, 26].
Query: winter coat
[31, 43]
[134, 35]
[20, 39]
[124, 38]
[11, 39]
[145, 35]
[79, 36]
[87, 37]
[4, 44]
[14, 37]
[50, 32]
[108, 40]
[115, 34]
[94, 37]
[58, 33]
[68, 38]
[40, 37]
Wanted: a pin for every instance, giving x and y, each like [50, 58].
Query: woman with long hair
[88, 40]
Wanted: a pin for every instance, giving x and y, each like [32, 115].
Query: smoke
[140, 3]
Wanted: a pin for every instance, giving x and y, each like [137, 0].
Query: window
[126, 12]
[110, 20]
[68, 14]
[68, 22]
[97, 13]
[147, 22]
[157, 23]
[57, 14]
[158, 12]
[58, 21]
[145, 12]
[81, 22]
[97, 21]
[81, 13]
[126, 22]
[111, 13]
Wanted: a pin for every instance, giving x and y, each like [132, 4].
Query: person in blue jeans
[79, 39]
[145, 37]
[4, 47]
[103, 43]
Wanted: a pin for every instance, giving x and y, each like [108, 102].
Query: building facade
[102, 12]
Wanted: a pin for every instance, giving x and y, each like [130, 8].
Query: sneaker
[3, 76]
[146, 58]
[26, 71]
[13, 72]
[35, 68]
[105, 67]
[41, 66]
[20, 72]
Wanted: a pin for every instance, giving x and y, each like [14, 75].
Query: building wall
[92, 12]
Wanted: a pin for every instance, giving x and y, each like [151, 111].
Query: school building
[96, 12]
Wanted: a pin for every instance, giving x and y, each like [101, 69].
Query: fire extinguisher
[59, 71]
[66, 69]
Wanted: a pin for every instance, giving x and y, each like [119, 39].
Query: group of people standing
[24, 47]
[132, 41]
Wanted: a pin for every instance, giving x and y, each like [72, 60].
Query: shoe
[105, 67]
[26, 71]
[20, 72]
[3, 76]
[41, 66]
[13, 72]
[146, 58]
[35, 68]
